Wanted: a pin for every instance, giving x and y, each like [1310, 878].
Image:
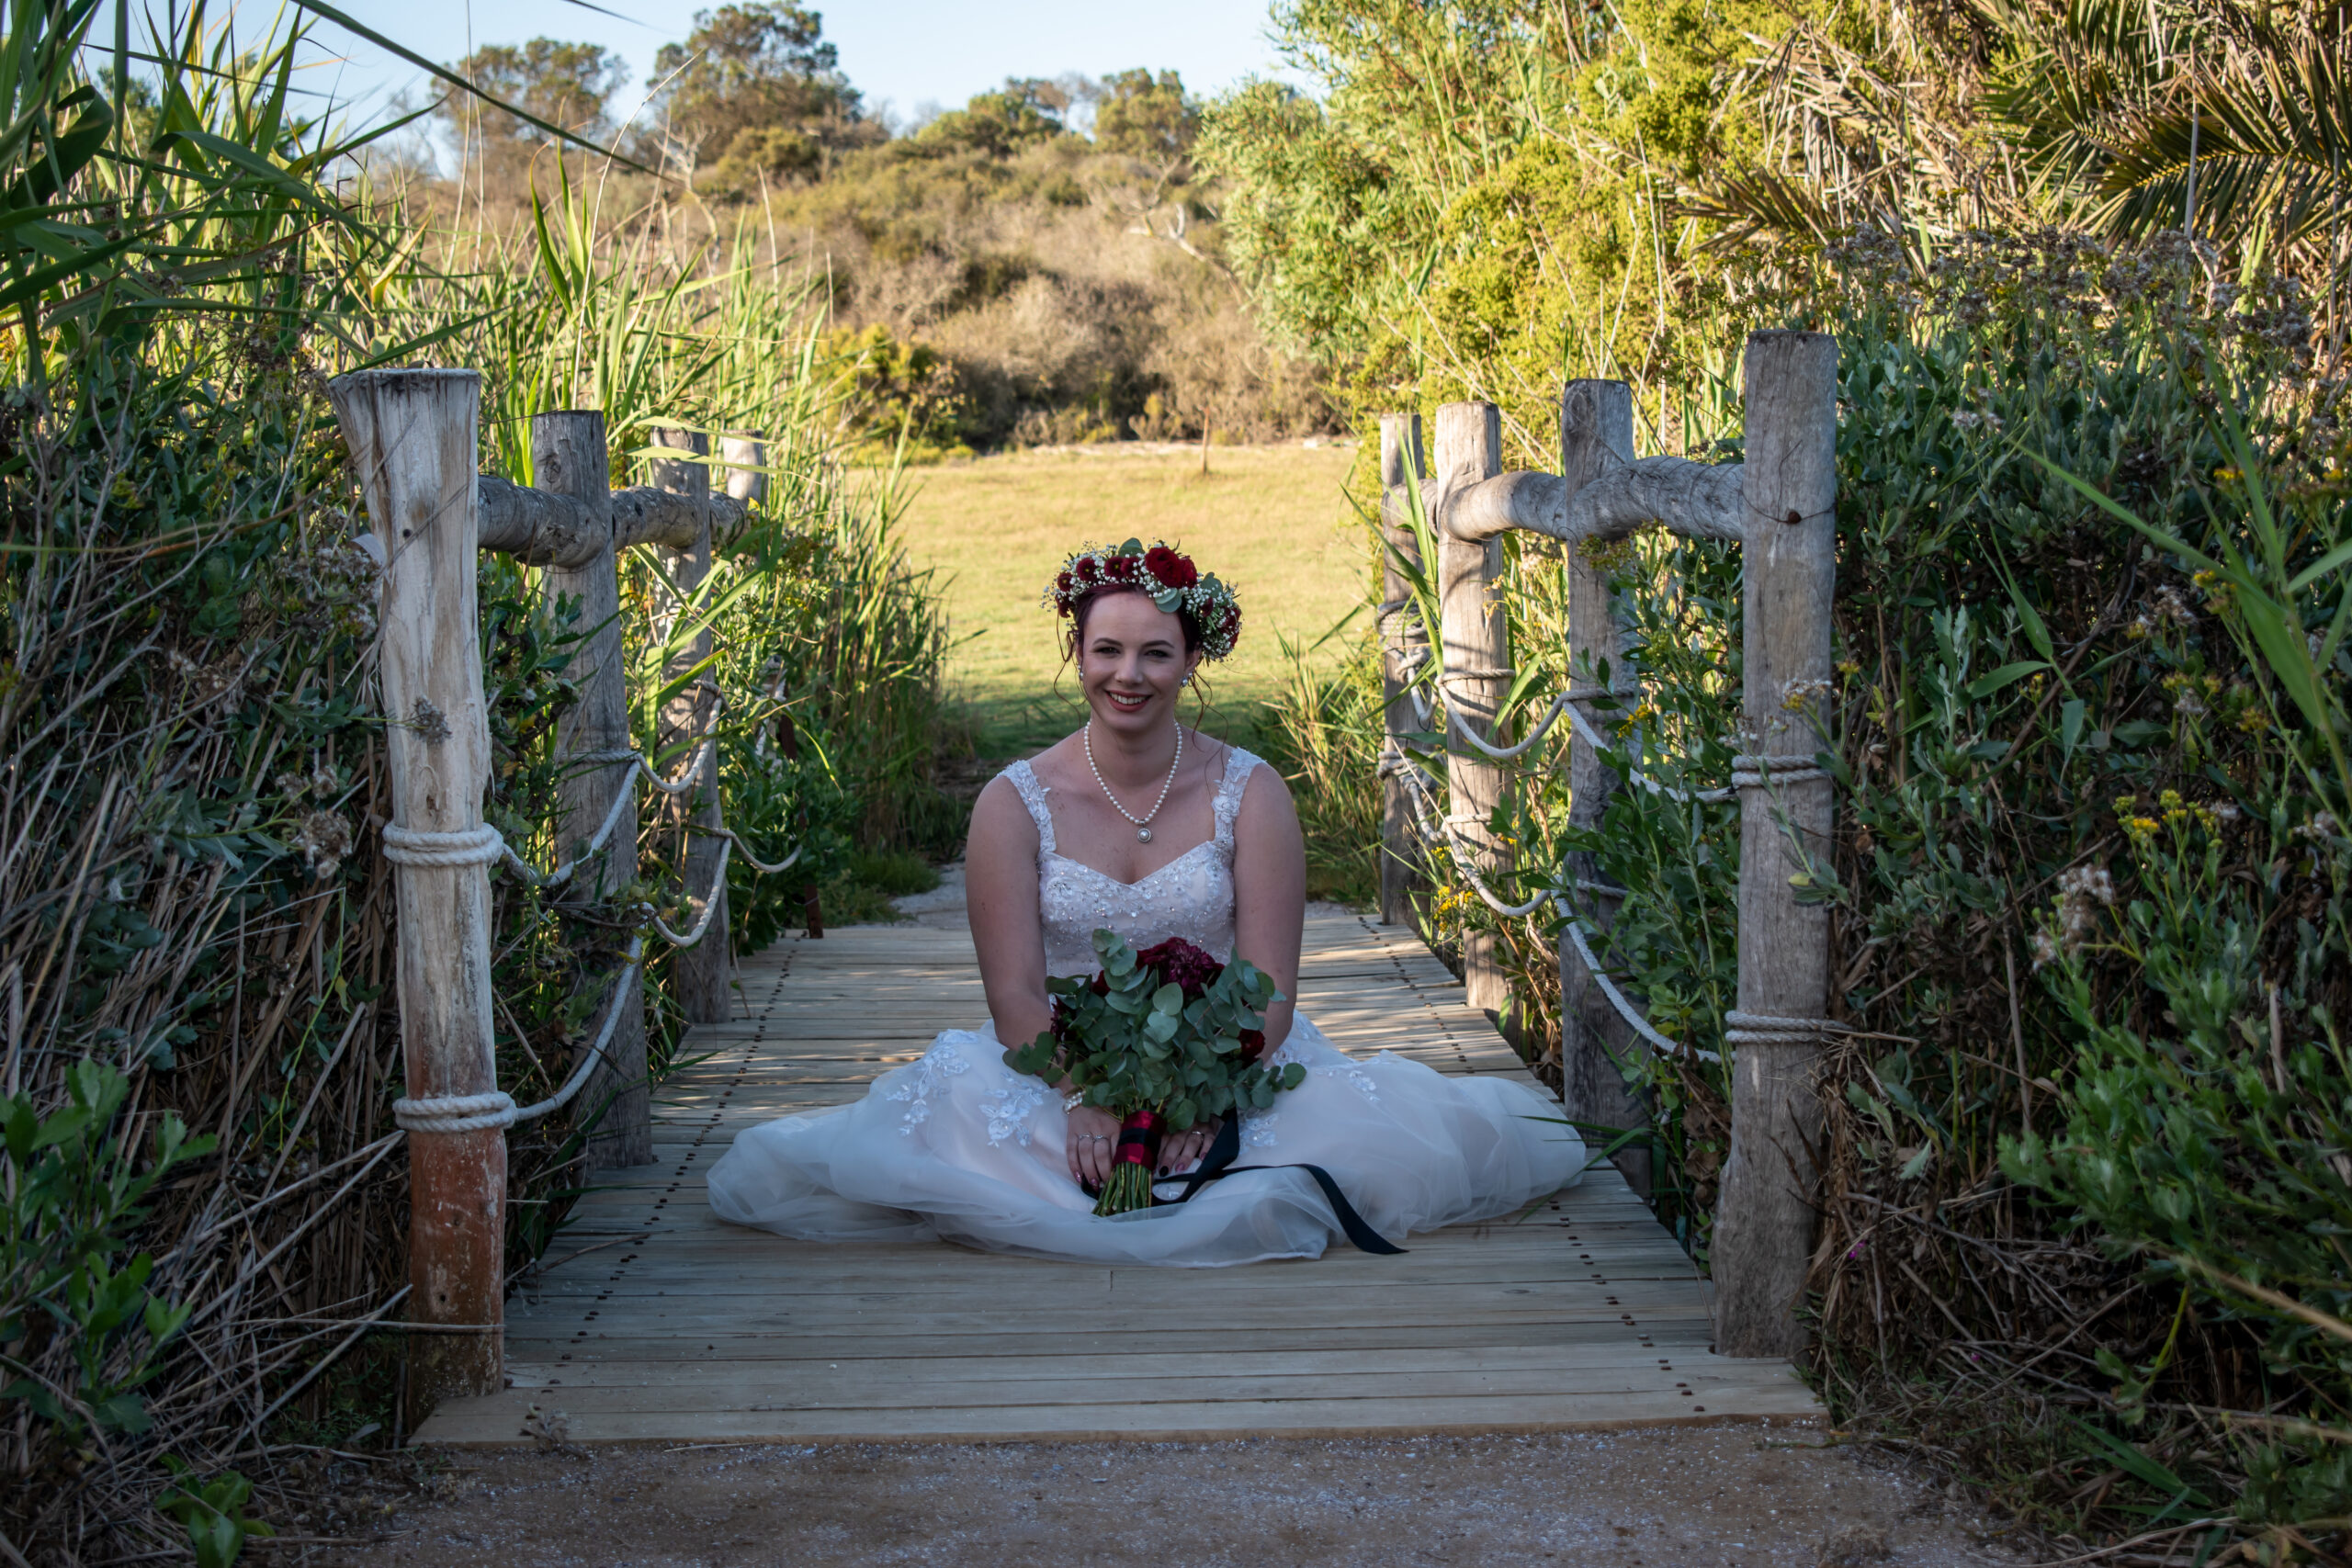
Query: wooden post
[701, 976]
[569, 457]
[414, 436]
[1765, 1217]
[744, 455]
[1477, 647]
[1403, 639]
[1596, 434]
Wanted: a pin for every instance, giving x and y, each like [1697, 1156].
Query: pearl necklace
[1143, 823]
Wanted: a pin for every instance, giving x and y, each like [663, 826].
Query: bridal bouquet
[1167, 1038]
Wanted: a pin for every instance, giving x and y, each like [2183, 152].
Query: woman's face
[1132, 663]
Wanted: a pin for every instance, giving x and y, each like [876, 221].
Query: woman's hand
[1091, 1136]
[1180, 1151]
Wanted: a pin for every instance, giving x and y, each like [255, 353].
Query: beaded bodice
[1190, 897]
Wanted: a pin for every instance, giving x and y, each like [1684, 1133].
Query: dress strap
[1227, 803]
[1033, 796]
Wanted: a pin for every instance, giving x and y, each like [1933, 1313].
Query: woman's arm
[1008, 932]
[1269, 890]
[1269, 920]
[1000, 899]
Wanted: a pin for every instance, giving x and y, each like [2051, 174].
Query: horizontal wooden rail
[1700, 500]
[545, 528]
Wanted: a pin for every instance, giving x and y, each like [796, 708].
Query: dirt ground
[1730, 1496]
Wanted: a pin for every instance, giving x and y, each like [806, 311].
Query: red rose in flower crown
[1165, 576]
[1175, 570]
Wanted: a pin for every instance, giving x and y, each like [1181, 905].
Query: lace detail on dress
[1227, 803]
[1033, 796]
[942, 1061]
[1357, 1079]
[1008, 1107]
[1257, 1129]
[1190, 897]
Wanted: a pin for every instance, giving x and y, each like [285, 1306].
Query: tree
[566, 85]
[749, 70]
[1026, 110]
[1146, 117]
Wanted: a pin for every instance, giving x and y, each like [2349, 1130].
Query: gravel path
[1739, 1496]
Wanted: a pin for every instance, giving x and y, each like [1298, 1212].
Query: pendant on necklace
[1143, 835]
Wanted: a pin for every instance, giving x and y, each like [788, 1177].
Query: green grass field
[1271, 521]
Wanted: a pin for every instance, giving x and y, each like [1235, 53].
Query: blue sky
[905, 52]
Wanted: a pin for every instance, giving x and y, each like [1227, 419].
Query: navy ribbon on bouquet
[1219, 1164]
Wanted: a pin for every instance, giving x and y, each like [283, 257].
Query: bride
[1138, 824]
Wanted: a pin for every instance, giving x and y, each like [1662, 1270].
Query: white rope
[478, 845]
[595, 1052]
[1625, 1011]
[1771, 1029]
[709, 902]
[1560, 704]
[751, 860]
[479, 1113]
[1752, 770]
[1392, 762]
[685, 781]
[1635, 776]
[454, 1113]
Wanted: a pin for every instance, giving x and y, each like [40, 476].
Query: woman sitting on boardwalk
[957, 1145]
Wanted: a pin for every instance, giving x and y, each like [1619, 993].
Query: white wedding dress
[958, 1145]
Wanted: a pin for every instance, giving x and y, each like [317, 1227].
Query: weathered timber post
[744, 455]
[1475, 642]
[1765, 1217]
[569, 457]
[1596, 434]
[1403, 641]
[414, 435]
[701, 974]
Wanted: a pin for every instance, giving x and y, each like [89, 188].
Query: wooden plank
[652, 1319]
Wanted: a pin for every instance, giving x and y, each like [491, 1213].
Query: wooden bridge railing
[1780, 505]
[415, 438]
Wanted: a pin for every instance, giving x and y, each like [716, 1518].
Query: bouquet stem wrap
[1132, 1163]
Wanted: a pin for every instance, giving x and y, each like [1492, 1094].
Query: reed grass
[202, 1191]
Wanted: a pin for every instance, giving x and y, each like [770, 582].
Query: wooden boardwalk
[653, 1321]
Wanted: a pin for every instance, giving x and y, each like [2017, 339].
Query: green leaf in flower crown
[1169, 602]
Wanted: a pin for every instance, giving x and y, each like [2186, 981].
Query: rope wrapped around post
[476, 1113]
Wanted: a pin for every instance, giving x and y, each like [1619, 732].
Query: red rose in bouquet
[1168, 1038]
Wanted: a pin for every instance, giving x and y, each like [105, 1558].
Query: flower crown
[1171, 580]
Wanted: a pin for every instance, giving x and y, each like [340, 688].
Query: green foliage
[747, 68]
[1139, 1036]
[73, 1190]
[892, 388]
[194, 928]
[1023, 113]
[1146, 116]
[212, 1512]
[565, 85]
[2209, 1131]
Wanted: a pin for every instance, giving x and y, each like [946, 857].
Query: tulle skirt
[957, 1146]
